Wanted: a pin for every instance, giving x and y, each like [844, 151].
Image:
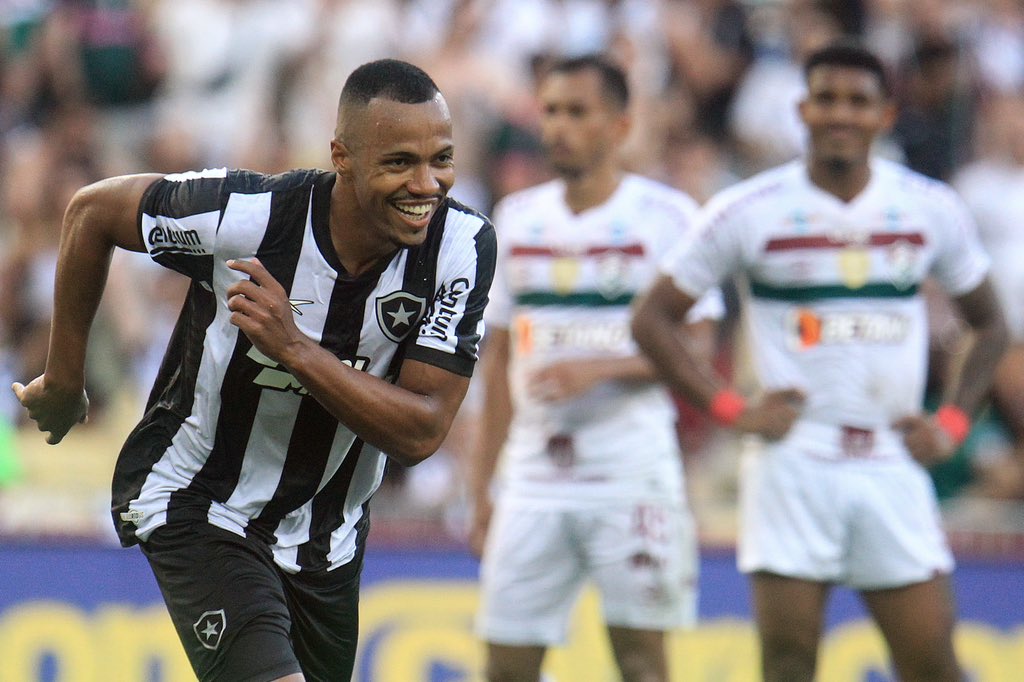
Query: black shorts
[243, 619]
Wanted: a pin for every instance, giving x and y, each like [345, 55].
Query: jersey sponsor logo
[398, 313]
[210, 628]
[165, 239]
[809, 329]
[446, 306]
[133, 516]
[600, 337]
[276, 379]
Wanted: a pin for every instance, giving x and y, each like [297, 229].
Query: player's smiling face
[398, 161]
[845, 110]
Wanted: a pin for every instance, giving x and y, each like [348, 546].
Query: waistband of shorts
[845, 442]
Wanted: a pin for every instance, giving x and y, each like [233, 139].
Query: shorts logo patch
[210, 628]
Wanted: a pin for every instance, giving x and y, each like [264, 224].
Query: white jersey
[994, 193]
[833, 304]
[563, 288]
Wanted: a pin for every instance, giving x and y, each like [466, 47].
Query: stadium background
[90, 88]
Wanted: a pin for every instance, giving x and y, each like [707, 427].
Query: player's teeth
[415, 211]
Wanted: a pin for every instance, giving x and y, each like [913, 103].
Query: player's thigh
[917, 622]
[643, 558]
[226, 601]
[324, 607]
[530, 577]
[788, 612]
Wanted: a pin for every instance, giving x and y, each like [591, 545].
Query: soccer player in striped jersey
[332, 321]
[834, 248]
[591, 483]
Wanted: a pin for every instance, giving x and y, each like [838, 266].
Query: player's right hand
[773, 415]
[54, 410]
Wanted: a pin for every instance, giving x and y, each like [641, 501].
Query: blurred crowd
[92, 88]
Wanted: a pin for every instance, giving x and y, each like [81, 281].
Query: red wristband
[954, 422]
[727, 406]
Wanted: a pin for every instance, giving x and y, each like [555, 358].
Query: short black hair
[391, 79]
[613, 78]
[850, 54]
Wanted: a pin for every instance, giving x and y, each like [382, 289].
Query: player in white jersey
[333, 317]
[833, 250]
[591, 482]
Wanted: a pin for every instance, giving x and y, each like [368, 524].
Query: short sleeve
[178, 220]
[709, 253]
[961, 262]
[450, 333]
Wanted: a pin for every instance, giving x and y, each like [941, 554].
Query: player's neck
[587, 190]
[358, 249]
[845, 181]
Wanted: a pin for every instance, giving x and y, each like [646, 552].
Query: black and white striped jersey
[231, 438]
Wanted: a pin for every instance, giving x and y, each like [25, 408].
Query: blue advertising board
[85, 613]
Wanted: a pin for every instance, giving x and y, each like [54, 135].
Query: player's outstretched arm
[99, 217]
[408, 420]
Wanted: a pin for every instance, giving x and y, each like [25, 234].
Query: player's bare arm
[989, 339]
[656, 321]
[495, 418]
[407, 420]
[99, 217]
[923, 435]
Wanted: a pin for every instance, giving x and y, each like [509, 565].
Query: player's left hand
[564, 380]
[925, 439]
[259, 307]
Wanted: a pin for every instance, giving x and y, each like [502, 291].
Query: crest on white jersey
[398, 313]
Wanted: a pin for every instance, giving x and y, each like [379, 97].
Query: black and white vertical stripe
[229, 437]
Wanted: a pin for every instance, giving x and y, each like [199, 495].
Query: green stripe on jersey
[812, 293]
[590, 299]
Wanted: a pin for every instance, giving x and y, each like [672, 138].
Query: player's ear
[341, 158]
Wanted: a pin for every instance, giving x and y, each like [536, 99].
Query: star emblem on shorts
[210, 628]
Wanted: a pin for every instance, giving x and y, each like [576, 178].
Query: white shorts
[642, 558]
[863, 524]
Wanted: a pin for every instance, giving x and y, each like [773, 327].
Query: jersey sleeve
[961, 262]
[450, 333]
[178, 220]
[708, 253]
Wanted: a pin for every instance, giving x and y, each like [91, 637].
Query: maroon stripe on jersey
[544, 251]
[826, 242]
